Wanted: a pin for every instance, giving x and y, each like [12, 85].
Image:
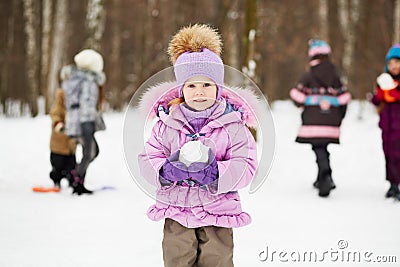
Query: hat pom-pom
[194, 39]
[89, 59]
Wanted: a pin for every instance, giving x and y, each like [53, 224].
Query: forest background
[267, 40]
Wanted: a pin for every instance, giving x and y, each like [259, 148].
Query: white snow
[193, 151]
[110, 228]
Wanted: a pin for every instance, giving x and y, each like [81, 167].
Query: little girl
[324, 98]
[387, 98]
[199, 155]
[62, 147]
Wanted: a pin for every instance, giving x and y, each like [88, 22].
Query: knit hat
[195, 51]
[318, 47]
[394, 52]
[90, 60]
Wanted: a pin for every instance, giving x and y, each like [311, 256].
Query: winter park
[213, 133]
[111, 227]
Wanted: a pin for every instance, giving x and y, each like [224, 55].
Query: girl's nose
[199, 90]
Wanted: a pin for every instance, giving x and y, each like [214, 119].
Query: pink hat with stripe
[318, 47]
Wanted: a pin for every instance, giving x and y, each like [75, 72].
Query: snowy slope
[110, 228]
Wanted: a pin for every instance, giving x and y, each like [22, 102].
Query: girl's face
[394, 66]
[200, 92]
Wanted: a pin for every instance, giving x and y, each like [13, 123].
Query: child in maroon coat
[387, 99]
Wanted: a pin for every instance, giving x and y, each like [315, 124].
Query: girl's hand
[173, 170]
[59, 128]
[324, 105]
[204, 172]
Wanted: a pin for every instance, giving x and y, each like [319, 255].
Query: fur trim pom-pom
[156, 96]
[194, 38]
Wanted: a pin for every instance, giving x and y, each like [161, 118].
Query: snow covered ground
[290, 221]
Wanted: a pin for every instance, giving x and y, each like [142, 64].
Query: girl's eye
[207, 84]
[191, 86]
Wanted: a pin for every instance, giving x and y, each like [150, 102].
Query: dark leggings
[393, 169]
[322, 155]
[61, 167]
[90, 149]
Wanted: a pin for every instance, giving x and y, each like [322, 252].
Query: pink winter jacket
[235, 152]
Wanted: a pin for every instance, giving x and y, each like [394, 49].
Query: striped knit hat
[318, 47]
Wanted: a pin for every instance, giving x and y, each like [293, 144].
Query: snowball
[193, 151]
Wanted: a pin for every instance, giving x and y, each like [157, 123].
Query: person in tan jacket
[62, 147]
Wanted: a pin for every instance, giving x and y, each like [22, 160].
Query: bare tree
[249, 63]
[47, 18]
[230, 30]
[267, 39]
[31, 11]
[8, 33]
[57, 50]
[396, 22]
[323, 18]
[113, 48]
[13, 80]
[349, 16]
[95, 23]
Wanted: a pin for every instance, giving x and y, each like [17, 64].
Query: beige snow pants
[208, 246]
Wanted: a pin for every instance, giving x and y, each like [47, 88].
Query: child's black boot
[393, 191]
[325, 184]
[316, 183]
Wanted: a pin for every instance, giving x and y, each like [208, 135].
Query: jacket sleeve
[238, 169]
[153, 157]
[344, 97]
[297, 93]
[377, 96]
[297, 96]
[57, 112]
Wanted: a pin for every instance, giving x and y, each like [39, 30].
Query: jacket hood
[325, 73]
[241, 102]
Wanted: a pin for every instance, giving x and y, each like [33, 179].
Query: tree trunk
[95, 23]
[7, 32]
[396, 22]
[249, 64]
[31, 24]
[323, 18]
[228, 20]
[114, 78]
[57, 50]
[349, 16]
[47, 18]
